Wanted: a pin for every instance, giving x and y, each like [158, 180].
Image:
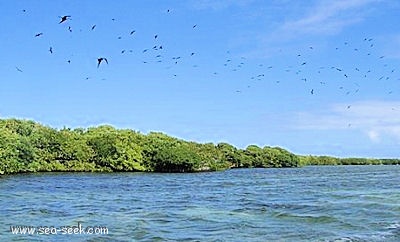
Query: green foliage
[329, 160]
[26, 146]
[254, 156]
[8, 152]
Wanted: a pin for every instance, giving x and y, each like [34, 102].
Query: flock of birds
[299, 70]
[63, 20]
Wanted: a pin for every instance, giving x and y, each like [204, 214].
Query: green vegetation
[26, 146]
[329, 160]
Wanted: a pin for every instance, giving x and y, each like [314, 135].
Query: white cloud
[373, 136]
[327, 17]
[377, 119]
[219, 4]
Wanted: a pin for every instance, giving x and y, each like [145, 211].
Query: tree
[8, 152]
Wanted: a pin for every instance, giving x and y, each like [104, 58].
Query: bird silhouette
[64, 18]
[312, 91]
[39, 34]
[132, 32]
[51, 50]
[18, 69]
[99, 60]
[94, 26]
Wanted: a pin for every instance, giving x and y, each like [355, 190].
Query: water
[325, 203]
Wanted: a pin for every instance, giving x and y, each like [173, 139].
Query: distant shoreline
[27, 146]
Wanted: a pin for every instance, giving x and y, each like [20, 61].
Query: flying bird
[64, 18]
[312, 91]
[51, 50]
[194, 26]
[39, 34]
[132, 32]
[94, 26]
[18, 69]
[99, 60]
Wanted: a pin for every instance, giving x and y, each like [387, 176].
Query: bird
[18, 69]
[155, 36]
[38, 34]
[132, 32]
[94, 26]
[51, 50]
[312, 91]
[64, 18]
[194, 26]
[99, 60]
[69, 28]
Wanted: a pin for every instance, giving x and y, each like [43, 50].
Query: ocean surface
[315, 203]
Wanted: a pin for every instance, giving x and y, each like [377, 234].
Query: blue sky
[315, 77]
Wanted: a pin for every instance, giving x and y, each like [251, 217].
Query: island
[28, 146]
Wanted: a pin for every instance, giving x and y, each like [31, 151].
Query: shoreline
[27, 146]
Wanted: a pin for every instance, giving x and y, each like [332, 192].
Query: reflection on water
[344, 203]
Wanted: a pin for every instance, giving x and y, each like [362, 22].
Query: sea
[311, 203]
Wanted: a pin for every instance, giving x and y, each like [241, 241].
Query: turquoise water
[325, 203]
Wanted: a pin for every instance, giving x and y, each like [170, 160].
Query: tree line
[27, 146]
[329, 160]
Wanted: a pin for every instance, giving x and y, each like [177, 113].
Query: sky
[317, 77]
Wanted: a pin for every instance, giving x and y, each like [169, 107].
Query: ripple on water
[301, 204]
